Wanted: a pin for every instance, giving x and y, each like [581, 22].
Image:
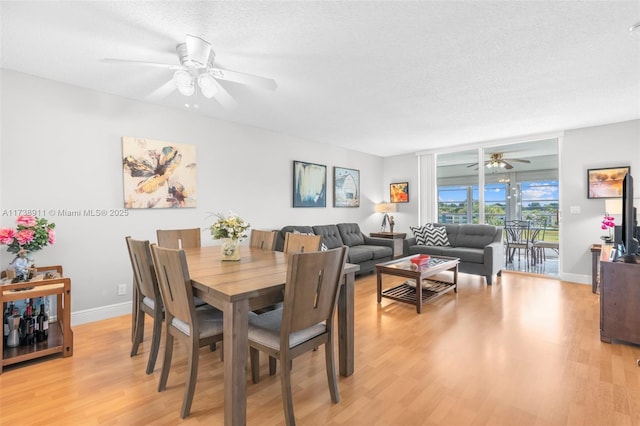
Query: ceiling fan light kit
[197, 67]
[495, 164]
[497, 161]
[184, 82]
[207, 85]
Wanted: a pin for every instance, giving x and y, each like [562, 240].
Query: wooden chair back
[175, 285]
[179, 238]
[301, 243]
[195, 328]
[304, 323]
[142, 264]
[311, 289]
[265, 240]
[146, 299]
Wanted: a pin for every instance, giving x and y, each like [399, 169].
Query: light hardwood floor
[525, 351]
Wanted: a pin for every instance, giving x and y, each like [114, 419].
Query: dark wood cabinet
[619, 302]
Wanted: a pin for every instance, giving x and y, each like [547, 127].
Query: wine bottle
[41, 324]
[8, 313]
[29, 337]
[45, 321]
[34, 319]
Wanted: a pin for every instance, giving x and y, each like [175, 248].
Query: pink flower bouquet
[31, 234]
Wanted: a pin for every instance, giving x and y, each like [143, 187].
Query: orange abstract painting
[399, 192]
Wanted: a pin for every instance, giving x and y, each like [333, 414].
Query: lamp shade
[613, 206]
[386, 207]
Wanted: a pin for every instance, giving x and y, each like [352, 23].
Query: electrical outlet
[122, 289]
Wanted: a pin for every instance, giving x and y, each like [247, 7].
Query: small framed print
[606, 183]
[399, 192]
[346, 187]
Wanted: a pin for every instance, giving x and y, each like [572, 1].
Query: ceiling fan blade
[517, 160]
[223, 97]
[198, 49]
[144, 63]
[243, 78]
[162, 92]
[473, 165]
[507, 165]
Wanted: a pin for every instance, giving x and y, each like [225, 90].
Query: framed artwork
[158, 174]
[606, 183]
[399, 192]
[346, 187]
[309, 184]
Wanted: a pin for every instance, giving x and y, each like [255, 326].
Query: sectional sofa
[363, 250]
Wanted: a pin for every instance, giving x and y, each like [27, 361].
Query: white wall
[61, 149]
[609, 145]
[402, 168]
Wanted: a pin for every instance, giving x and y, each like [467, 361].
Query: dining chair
[518, 238]
[538, 227]
[299, 243]
[194, 327]
[303, 323]
[147, 298]
[179, 238]
[265, 240]
[540, 246]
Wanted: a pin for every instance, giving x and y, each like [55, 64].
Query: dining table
[256, 281]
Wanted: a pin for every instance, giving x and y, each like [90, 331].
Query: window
[453, 204]
[459, 204]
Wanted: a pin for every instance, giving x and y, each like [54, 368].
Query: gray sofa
[479, 248]
[363, 250]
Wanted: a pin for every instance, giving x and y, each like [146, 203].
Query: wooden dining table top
[256, 271]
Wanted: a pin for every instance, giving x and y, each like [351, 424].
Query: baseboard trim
[576, 278]
[100, 313]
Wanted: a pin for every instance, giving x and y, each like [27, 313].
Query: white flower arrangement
[232, 226]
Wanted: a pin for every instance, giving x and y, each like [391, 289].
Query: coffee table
[417, 294]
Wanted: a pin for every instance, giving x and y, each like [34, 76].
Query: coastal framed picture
[309, 184]
[346, 187]
[607, 182]
[399, 192]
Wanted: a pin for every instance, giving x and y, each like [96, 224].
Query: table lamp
[386, 208]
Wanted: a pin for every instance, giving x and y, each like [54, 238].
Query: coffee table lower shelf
[407, 293]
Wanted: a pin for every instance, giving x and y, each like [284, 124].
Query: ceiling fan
[496, 160]
[197, 67]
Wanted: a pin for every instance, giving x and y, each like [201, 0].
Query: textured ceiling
[379, 77]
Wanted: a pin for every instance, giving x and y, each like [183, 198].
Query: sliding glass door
[500, 183]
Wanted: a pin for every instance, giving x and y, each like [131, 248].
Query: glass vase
[230, 249]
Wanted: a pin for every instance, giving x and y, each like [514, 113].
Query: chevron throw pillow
[437, 236]
[430, 235]
[420, 232]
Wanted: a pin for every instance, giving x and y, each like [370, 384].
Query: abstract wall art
[158, 174]
[309, 184]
